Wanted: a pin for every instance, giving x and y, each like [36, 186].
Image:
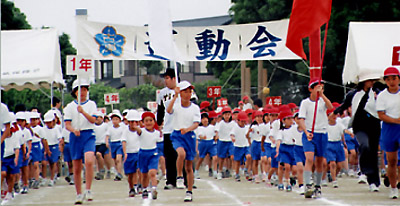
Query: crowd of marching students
[277, 146]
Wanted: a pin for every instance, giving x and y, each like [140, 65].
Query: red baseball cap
[237, 110]
[240, 102]
[242, 116]
[285, 113]
[226, 109]
[204, 104]
[212, 114]
[249, 111]
[391, 71]
[258, 113]
[292, 105]
[245, 97]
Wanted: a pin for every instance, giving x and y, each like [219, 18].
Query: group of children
[276, 145]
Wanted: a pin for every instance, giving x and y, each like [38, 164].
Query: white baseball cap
[20, 115]
[133, 115]
[49, 116]
[34, 115]
[83, 82]
[116, 114]
[184, 85]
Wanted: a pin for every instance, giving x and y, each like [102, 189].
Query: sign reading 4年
[213, 92]
[274, 101]
[111, 98]
[81, 66]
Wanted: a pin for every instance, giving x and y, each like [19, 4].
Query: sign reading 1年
[79, 65]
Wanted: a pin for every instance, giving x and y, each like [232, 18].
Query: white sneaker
[394, 193]
[88, 195]
[188, 197]
[301, 189]
[324, 183]
[206, 168]
[180, 183]
[9, 196]
[335, 184]
[215, 174]
[196, 175]
[219, 176]
[351, 173]
[373, 188]
[362, 179]
[264, 177]
[79, 199]
[51, 183]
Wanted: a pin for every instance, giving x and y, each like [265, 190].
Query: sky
[60, 13]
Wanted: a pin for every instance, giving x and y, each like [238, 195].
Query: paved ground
[209, 192]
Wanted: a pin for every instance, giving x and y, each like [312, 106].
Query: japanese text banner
[259, 41]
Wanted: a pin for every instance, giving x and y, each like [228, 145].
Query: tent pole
[51, 95]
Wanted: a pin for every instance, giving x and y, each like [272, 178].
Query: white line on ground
[327, 201]
[216, 188]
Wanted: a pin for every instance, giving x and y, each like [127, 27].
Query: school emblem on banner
[110, 42]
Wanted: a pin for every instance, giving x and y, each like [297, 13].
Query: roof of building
[209, 21]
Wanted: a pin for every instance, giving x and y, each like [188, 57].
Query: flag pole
[320, 76]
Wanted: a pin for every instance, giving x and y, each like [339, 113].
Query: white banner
[260, 41]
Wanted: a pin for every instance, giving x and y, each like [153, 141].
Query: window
[106, 69]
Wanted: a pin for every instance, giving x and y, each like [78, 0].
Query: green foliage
[66, 48]
[11, 17]
[153, 67]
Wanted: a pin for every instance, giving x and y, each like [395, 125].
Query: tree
[66, 48]
[153, 67]
[11, 17]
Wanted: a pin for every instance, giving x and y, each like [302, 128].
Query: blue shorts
[225, 149]
[286, 154]
[186, 141]
[255, 150]
[239, 153]
[274, 161]
[335, 152]
[82, 144]
[8, 165]
[131, 163]
[317, 144]
[267, 150]
[102, 149]
[23, 162]
[20, 157]
[116, 149]
[148, 160]
[390, 137]
[160, 148]
[299, 154]
[67, 153]
[36, 152]
[55, 154]
[207, 147]
[351, 143]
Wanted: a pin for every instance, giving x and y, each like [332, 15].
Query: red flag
[305, 21]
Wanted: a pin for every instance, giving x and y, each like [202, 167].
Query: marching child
[224, 145]
[241, 142]
[275, 126]
[314, 144]
[186, 118]
[265, 128]
[21, 121]
[206, 133]
[148, 155]
[298, 151]
[100, 131]
[37, 154]
[79, 120]
[387, 105]
[284, 148]
[52, 140]
[335, 150]
[131, 146]
[113, 141]
[254, 133]
[67, 155]
[9, 160]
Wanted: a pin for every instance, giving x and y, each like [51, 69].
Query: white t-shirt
[65, 134]
[184, 117]
[275, 126]
[39, 131]
[208, 132]
[100, 131]
[247, 106]
[307, 108]
[10, 144]
[240, 135]
[255, 135]
[78, 121]
[224, 128]
[286, 136]
[335, 132]
[298, 136]
[148, 140]
[27, 135]
[344, 121]
[370, 106]
[132, 141]
[115, 134]
[5, 115]
[20, 135]
[265, 130]
[389, 103]
[52, 135]
[165, 96]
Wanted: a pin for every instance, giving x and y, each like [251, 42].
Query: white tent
[30, 59]
[370, 49]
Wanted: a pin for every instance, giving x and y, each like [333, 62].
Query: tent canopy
[370, 50]
[30, 59]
